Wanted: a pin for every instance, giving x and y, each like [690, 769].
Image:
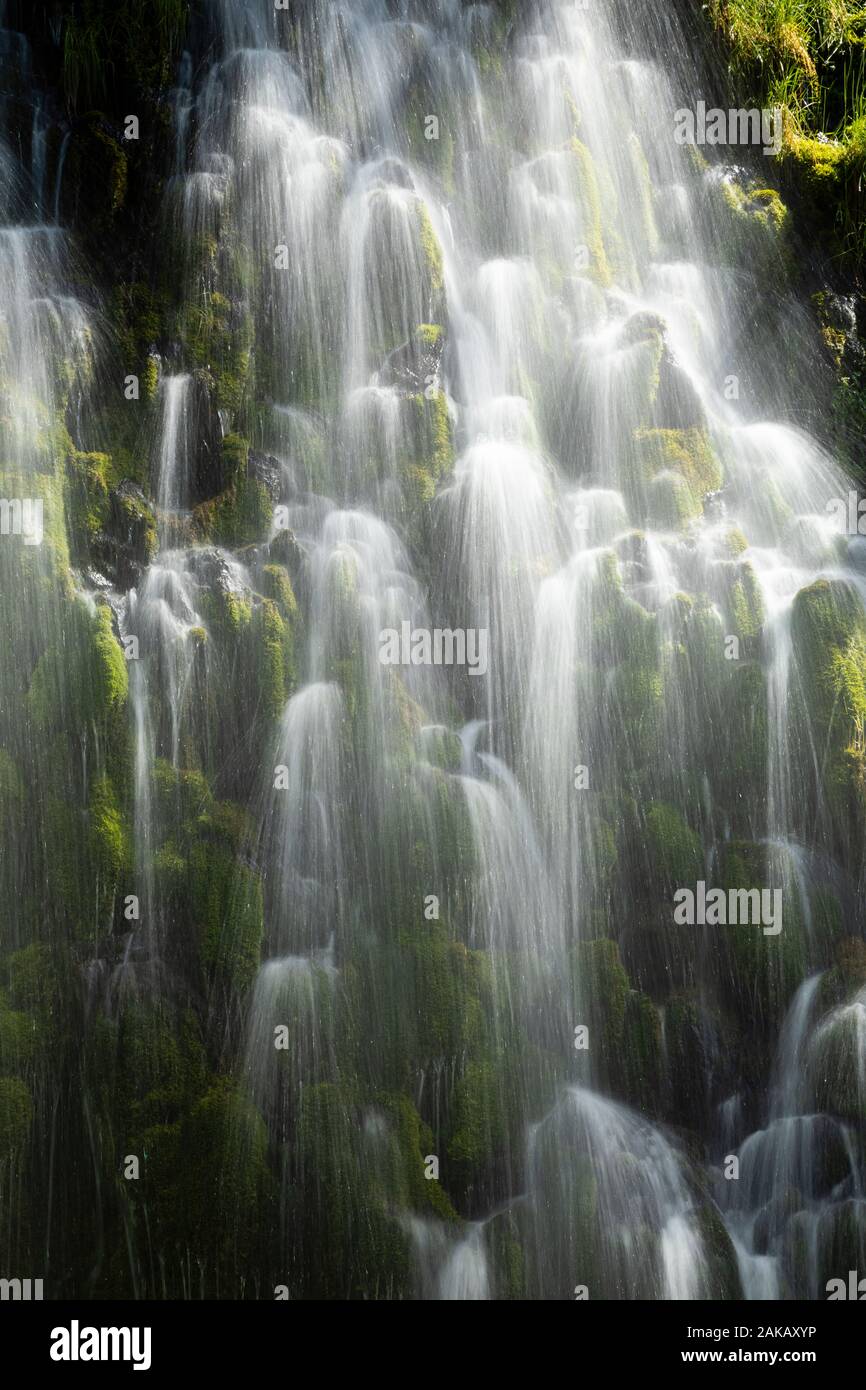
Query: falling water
[450, 348]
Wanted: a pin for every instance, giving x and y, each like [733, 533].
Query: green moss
[846, 976]
[765, 970]
[226, 905]
[622, 630]
[636, 712]
[84, 679]
[11, 786]
[218, 338]
[828, 629]
[587, 193]
[362, 1161]
[723, 1280]
[181, 795]
[108, 842]
[745, 602]
[88, 497]
[208, 1189]
[89, 852]
[743, 776]
[674, 850]
[34, 986]
[241, 514]
[277, 585]
[507, 1257]
[601, 993]
[273, 671]
[835, 1063]
[479, 1123]
[111, 676]
[432, 252]
[16, 1116]
[51, 558]
[687, 454]
[441, 747]
[20, 1041]
[416, 1003]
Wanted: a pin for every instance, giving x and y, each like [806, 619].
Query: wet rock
[416, 363]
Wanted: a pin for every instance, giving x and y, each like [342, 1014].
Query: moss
[743, 777]
[209, 1190]
[674, 853]
[687, 454]
[111, 676]
[88, 490]
[83, 681]
[96, 179]
[436, 154]
[362, 1162]
[277, 585]
[622, 630]
[479, 1125]
[641, 1057]
[601, 994]
[836, 1062]
[226, 905]
[181, 795]
[108, 840]
[736, 542]
[16, 1116]
[765, 970]
[20, 1040]
[723, 1281]
[89, 852]
[151, 1065]
[745, 602]
[241, 514]
[11, 785]
[758, 228]
[51, 558]
[133, 520]
[430, 335]
[228, 823]
[432, 252]
[274, 667]
[507, 1258]
[588, 196]
[828, 628]
[441, 747]
[415, 1003]
[34, 986]
[636, 711]
[217, 335]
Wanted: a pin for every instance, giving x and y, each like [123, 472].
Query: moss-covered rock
[16, 1116]
[828, 628]
[674, 850]
[225, 900]
[686, 455]
[240, 514]
[362, 1162]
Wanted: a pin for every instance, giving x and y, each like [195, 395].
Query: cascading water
[437, 579]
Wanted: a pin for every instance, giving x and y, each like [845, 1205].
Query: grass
[808, 57]
[102, 38]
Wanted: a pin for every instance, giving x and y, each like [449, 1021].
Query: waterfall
[437, 581]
